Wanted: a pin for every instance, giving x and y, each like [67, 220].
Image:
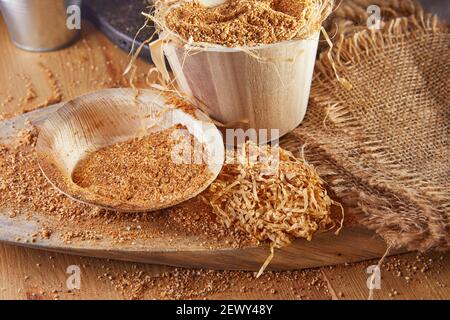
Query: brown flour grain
[183, 284]
[144, 171]
[247, 22]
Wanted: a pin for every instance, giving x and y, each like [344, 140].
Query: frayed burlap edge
[351, 50]
[376, 201]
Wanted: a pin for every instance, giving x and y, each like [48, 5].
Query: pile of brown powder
[25, 192]
[246, 22]
[145, 171]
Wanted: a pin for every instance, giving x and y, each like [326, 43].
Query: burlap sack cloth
[383, 146]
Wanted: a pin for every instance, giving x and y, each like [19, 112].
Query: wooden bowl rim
[47, 166]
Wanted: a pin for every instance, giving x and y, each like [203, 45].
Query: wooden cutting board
[354, 243]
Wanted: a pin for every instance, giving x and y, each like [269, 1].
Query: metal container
[41, 25]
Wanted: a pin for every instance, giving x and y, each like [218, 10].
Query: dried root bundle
[273, 196]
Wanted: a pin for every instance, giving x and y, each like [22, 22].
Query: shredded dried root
[344, 82]
[273, 196]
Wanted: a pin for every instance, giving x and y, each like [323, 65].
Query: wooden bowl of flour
[90, 123]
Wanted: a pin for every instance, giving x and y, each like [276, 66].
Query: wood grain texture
[354, 243]
[34, 274]
[409, 276]
[32, 80]
[42, 275]
[326, 249]
[237, 89]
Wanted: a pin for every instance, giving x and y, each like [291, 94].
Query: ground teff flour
[246, 22]
[141, 171]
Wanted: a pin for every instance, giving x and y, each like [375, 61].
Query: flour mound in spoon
[159, 168]
[247, 22]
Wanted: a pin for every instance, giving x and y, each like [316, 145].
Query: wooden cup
[267, 89]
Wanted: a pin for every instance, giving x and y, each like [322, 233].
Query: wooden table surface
[32, 80]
